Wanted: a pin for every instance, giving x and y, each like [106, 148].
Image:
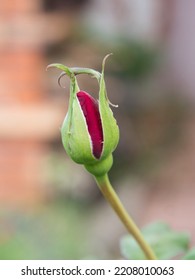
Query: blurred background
[50, 208]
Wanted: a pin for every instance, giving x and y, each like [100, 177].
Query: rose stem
[111, 196]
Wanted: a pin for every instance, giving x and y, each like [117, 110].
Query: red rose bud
[89, 131]
[91, 112]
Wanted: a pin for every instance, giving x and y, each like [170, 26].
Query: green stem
[111, 196]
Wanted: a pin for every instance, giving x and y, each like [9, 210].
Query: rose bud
[89, 132]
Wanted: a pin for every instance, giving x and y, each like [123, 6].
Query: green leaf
[165, 242]
[190, 255]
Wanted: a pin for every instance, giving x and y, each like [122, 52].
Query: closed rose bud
[89, 131]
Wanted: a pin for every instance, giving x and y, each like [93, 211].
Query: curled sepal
[109, 125]
[74, 131]
[75, 71]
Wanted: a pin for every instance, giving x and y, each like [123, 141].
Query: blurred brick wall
[28, 120]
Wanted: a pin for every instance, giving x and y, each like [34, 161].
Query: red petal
[91, 112]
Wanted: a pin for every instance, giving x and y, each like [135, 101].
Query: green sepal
[74, 133]
[109, 125]
[75, 137]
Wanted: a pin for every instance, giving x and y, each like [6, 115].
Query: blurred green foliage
[56, 231]
[134, 60]
[165, 242]
[190, 255]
